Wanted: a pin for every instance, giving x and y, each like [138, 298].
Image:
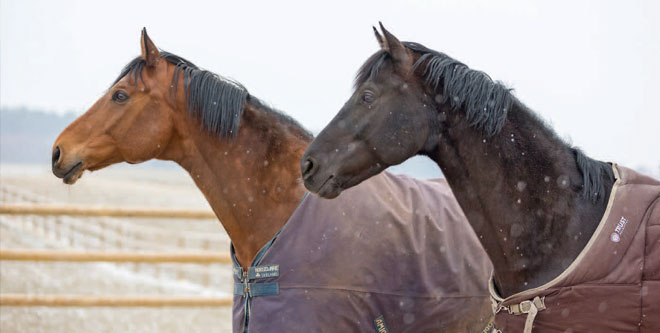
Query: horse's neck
[520, 192]
[251, 181]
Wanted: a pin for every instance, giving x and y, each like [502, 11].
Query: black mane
[485, 103]
[594, 174]
[216, 101]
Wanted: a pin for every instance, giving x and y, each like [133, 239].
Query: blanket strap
[256, 289]
[529, 307]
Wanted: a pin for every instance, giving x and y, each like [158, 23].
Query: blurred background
[589, 68]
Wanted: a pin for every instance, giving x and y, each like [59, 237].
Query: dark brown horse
[244, 157]
[533, 200]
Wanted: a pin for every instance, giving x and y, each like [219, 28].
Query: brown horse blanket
[393, 254]
[613, 285]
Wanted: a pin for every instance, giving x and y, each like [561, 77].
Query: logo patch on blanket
[380, 325]
[616, 235]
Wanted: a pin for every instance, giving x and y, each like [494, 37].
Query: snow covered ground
[119, 186]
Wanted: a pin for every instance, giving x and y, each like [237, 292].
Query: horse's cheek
[147, 137]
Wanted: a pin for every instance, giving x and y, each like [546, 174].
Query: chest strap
[257, 272]
[255, 289]
[248, 289]
[529, 307]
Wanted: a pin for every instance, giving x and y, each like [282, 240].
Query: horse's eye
[368, 97]
[120, 96]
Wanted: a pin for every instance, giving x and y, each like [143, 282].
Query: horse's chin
[74, 174]
[327, 192]
[333, 187]
[329, 189]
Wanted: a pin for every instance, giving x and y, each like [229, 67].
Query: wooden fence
[112, 301]
[91, 256]
[20, 209]
[206, 257]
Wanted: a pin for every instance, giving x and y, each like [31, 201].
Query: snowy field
[117, 186]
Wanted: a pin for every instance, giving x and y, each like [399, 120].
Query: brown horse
[244, 157]
[144, 116]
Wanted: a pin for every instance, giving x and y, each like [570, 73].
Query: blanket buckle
[525, 306]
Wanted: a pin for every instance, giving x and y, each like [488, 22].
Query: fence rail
[55, 255]
[112, 301]
[158, 213]
[90, 256]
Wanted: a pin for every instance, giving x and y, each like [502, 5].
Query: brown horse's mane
[218, 102]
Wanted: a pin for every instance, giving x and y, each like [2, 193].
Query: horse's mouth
[329, 189]
[334, 185]
[73, 174]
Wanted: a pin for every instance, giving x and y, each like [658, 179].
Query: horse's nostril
[56, 155]
[308, 167]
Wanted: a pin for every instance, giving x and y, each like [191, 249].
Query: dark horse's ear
[379, 38]
[395, 48]
[150, 52]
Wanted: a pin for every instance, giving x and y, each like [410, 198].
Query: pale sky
[590, 68]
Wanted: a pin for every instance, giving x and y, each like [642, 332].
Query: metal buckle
[520, 308]
[496, 309]
[525, 306]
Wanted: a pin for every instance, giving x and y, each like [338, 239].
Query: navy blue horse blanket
[394, 254]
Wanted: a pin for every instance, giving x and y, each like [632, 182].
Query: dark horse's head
[385, 121]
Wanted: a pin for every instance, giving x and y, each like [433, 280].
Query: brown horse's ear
[395, 48]
[150, 52]
[379, 38]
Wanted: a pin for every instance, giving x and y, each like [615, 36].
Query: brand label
[380, 325]
[261, 272]
[618, 230]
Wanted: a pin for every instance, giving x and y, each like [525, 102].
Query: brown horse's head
[132, 122]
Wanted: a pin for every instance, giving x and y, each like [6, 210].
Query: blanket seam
[378, 292]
